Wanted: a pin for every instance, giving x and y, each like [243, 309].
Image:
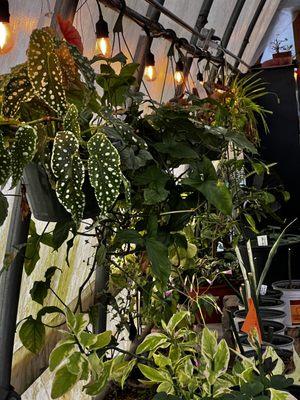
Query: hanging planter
[291, 297]
[42, 197]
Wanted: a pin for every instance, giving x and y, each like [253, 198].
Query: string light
[103, 46]
[6, 36]
[178, 74]
[150, 73]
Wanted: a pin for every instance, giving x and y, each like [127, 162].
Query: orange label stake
[251, 320]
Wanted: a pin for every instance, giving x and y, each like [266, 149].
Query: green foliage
[3, 208]
[104, 170]
[68, 168]
[5, 162]
[32, 334]
[45, 72]
[40, 289]
[22, 151]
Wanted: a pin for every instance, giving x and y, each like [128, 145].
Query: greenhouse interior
[149, 211]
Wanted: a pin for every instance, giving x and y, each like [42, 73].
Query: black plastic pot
[266, 314]
[277, 327]
[272, 293]
[280, 342]
[43, 200]
[268, 302]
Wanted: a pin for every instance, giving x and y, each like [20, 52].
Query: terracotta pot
[219, 291]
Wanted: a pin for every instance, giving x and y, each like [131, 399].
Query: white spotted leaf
[69, 170]
[5, 162]
[45, 72]
[22, 151]
[104, 170]
[71, 121]
[84, 67]
[127, 192]
[18, 90]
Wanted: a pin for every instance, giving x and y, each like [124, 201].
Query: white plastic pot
[291, 298]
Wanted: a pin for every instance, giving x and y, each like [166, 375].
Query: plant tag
[263, 290]
[262, 240]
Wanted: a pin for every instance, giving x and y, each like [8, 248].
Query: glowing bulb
[150, 73]
[103, 47]
[179, 77]
[6, 38]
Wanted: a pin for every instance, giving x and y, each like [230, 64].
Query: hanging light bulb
[6, 36]
[150, 73]
[200, 78]
[178, 74]
[103, 47]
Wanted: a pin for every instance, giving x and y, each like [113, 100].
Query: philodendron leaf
[70, 122]
[69, 170]
[32, 334]
[45, 72]
[23, 151]
[17, 91]
[5, 162]
[104, 170]
[3, 208]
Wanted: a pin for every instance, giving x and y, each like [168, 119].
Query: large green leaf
[3, 208]
[153, 374]
[104, 170]
[45, 72]
[221, 358]
[69, 171]
[5, 162]
[61, 352]
[23, 151]
[151, 342]
[158, 255]
[63, 381]
[70, 122]
[177, 150]
[17, 91]
[176, 319]
[32, 334]
[39, 290]
[208, 343]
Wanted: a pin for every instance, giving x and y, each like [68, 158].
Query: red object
[70, 33]
[251, 320]
[219, 291]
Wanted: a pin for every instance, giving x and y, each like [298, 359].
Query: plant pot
[268, 302]
[291, 298]
[279, 342]
[294, 390]
[285, 355]
[43, 200]
[278, 327]
[266, 314]
[272, 293]
[219, 291]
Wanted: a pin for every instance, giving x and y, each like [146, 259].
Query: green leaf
[93, 341]
[278, 394]
[84, 66]
[63, 381]
[23, 151]
[100, 255]
[221, 359]
[252, 388]
[70, 122]
[45, 72]
[32, 253]
[130, 236]
[153, 374]
[127, 191]
[104, 170]
[76, 322]
[48, 310]
[69, 170]
[61, 232]
[155, 194]
[40, 289]
[18, 90]
[177, 150]
[151, 342]
[5, 162]
[129, 69]
[96, 387]
[160, 263]
[32, 334]
[208, 343]
[161, 361]
[3, 208]
[176, 319]
[60, 352]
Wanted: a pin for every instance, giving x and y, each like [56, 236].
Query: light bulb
[103, 47]
[150, 73]
[179, 77]
[6, 38]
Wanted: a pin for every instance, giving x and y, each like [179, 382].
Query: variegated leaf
[22, 151]
[5, 162]
[69, 170]
[104, 170]
[84, 66]
[17, 91]
[45, 72]
[71, 121]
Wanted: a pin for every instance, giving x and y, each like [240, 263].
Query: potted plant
[282, 49]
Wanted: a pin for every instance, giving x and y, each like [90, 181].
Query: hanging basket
[43, 201]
